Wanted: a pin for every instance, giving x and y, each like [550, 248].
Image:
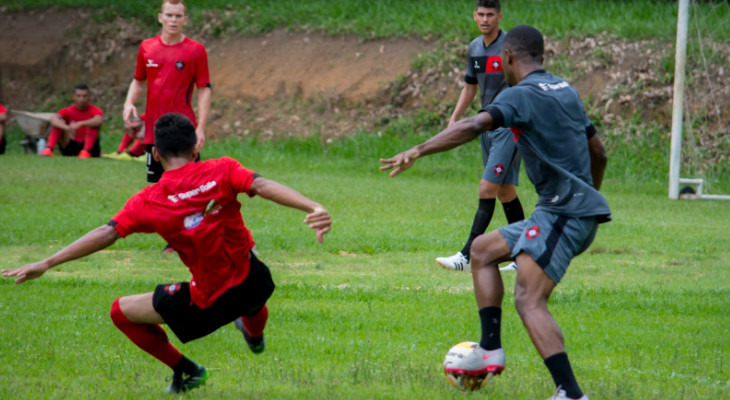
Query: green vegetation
[368, 314]
[631, 19]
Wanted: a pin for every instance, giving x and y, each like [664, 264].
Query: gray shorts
[551, 240]
[500, 157]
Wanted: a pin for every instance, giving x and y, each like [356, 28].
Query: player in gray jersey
[499, 153]
[548, 119]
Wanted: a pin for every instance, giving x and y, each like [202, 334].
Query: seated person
[76, 128]
[3, 118]
[132, 146]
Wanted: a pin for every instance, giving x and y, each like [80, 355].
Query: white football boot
[509, 267]
[560, 395]
[457, 262]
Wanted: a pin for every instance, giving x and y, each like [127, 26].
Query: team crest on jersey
[498, 169]
[172, 288]
[191, 221]
[533, 232]
[179, 64]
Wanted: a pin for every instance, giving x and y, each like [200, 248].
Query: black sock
[562, 374]
[185, 365]
[482, 218]
[513, 211]
[491, 318]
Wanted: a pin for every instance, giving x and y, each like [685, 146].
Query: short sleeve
[127, 220]
[97, 111]
[140, 72]
[202, 74]
[239, 176]
[510, 105]
[65, 113]
[3, 109]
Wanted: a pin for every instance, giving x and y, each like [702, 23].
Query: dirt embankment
[283, 83]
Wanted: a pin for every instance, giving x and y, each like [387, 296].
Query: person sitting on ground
[194, 207]
[3, 118]
[132, 146]
[76, 128]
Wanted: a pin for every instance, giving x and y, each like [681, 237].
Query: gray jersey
[549, 122]
[484, 67]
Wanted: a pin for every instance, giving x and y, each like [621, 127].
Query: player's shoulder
[194, 44]
[95, 109]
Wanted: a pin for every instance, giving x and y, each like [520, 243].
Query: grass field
[368, 314]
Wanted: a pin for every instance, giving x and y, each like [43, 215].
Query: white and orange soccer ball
[468, 367]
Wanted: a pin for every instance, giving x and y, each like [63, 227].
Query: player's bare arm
[58, 122]
[97, 239]
[136, 89]
[598, 160]
[455, 135]
[204, 95]
[465, 98]
[93, 122]
[317, 217]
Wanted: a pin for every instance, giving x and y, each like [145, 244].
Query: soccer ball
[459, 368]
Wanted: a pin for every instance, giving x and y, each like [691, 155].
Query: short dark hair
[526, 42]
[81, 86]
[490, 4]
[174, 135]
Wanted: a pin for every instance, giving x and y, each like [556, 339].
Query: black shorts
[190, 322]
[73, 148]
[154, 167]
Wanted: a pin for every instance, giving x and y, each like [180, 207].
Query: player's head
[174, 136]
[524, 45]
[81, 96]
[490, 4]
[487, 15]
[172, 17]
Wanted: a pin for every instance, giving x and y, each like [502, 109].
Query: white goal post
[680, 58]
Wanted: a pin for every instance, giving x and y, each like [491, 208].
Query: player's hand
[320, 221]
[130, 113]
[200, 133]
[400, 162]
[27, 272]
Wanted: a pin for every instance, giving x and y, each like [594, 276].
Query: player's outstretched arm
[98, 239]
[455, 135]
[317, 217]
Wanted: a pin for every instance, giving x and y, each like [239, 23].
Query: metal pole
[680, 58]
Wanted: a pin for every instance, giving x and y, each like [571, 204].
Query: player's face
[487, 20]
[81, 98]
[172, 18]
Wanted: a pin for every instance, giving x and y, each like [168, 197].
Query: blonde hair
[173, 2]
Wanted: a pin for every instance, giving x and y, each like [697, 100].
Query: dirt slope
[284, 84]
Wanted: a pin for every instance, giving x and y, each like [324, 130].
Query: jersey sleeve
[97, 111]
[508, 109]
[202, 75]
[140, 71]
[128, 220]
[239, 176]
[3, 109]
[65, 113]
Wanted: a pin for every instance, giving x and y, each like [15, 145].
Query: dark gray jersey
[484, 67]
[549, 122]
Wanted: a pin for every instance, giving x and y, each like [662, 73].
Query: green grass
[429, 18]
[367, 314]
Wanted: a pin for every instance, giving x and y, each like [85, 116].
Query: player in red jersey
[194, 207]
[76, 128]
[3, 118]
[132, 146]
[172, 64]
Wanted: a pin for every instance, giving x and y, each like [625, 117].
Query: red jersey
[73, 114]
[194, 208]
[2, 109]
[170, 72]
